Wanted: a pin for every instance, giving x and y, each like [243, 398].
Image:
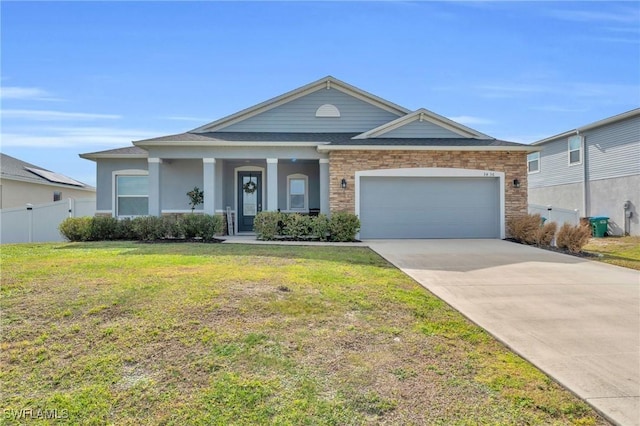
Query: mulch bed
[583, 254]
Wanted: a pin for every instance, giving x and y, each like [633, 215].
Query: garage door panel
[429, 207]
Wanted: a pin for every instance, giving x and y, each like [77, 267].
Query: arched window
[327, 110]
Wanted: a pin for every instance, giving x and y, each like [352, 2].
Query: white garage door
[429, 207]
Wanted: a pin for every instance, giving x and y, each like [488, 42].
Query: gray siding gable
[614, 150]
[420, 129]
[299, 115]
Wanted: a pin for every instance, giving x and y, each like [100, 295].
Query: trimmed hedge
[142, 228]
[294, 226]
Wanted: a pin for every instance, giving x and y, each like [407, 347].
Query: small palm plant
[196, 197]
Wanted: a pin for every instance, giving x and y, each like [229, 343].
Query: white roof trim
[228, 143]
[86, 187]
[112, 155]
[423, 115]
[600, 123]
[325, 148]
[328, 82]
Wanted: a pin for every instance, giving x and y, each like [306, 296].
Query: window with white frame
[57, 195]
[575, 150]
[533, 162]
[132, 195]
[297, 192]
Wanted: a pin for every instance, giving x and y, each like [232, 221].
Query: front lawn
[129, 333]
[621, 251]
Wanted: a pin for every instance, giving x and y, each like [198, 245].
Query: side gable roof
[326, 82]
[15, 169]
[596, 124]
[423, 115]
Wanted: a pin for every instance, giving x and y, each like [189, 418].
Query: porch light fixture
[343, 183]
[516, 183]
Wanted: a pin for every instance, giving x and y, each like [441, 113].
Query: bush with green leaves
[199, 226]
[297, 226]
[148, 228]
[320, 227]
[573, 238]
[104, 228]
[343, 226]
[76, 228]
[268, 225]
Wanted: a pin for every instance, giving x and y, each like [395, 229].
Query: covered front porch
[241, 187]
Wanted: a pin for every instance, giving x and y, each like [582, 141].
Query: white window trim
[529, 161]
[569, 150]
[114, 192]
[306, 192]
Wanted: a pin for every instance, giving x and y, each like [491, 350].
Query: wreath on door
[250, 187]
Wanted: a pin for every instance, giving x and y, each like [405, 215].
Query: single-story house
[326, 146]
[23, 183]
[594, 169]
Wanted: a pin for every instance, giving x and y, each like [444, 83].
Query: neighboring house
[594, 169]
[22, 183]
[327, 147]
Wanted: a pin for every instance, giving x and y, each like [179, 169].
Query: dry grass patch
[127, 333]
[621, 251]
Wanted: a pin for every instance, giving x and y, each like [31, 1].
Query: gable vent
[327, 110]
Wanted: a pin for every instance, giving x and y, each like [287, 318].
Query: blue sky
[88, 76]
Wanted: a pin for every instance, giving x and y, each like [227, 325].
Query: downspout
[585, 176]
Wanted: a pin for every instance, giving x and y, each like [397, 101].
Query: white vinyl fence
[39, 223]
[556, 214]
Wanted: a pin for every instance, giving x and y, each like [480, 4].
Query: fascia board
[228, 143]
[594, 125]
[94, 157]
[86, 187]
[325, 148]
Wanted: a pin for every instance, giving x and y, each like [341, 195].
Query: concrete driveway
[577, 320]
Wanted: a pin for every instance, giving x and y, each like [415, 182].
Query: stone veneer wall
[345, 164]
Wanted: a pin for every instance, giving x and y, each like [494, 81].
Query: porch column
[324, 186]
[209, 185]
[154, 186]
[272, 184]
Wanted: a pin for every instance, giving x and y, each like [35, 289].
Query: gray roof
[341, 139]
[128, 150]
[13, 168]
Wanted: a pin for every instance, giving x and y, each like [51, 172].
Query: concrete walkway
[577, 320]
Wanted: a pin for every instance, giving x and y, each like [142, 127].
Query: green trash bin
[599, 225]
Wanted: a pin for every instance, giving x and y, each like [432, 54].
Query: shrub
[544, 235]
[573, 238]
[524, 229]
[268, 224]
[297, 226]
[320, 227]
[124, 229]
[199, 226]
[147, 228]
[103, 228]
[343, 226]
[171, 227]
[76, 228]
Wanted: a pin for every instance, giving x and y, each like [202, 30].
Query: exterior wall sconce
[343, 183]
[516, 183]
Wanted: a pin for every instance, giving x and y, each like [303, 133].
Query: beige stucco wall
[17, 193]
[345, 164]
